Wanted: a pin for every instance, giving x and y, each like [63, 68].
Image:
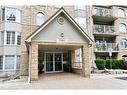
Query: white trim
[3, 62]
[35, 33]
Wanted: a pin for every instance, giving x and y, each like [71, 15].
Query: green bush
[100, 64]
[115, 64]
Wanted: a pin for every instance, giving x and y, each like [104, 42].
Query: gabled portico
[58, 35]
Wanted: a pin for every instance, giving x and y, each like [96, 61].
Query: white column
[15, 62]
[3, 62]
[5, 37]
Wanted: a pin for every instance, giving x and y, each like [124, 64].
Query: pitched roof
[61, 10]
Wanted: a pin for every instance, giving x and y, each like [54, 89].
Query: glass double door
[53, 62]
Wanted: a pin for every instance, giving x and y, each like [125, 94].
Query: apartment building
[57, 35]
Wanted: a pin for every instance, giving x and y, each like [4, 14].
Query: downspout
[29, 75]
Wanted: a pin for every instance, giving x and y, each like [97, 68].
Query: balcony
[106, 47]
[105, 30]
[101, 14]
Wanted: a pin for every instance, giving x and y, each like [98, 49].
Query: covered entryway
[57, 37]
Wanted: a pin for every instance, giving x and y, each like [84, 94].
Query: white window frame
[121, 13]
[11, 38]
[15, 62]
[17, 14]
[5, 38]
[123, 43]
[122, 27]
[39, 18]
[6, 69]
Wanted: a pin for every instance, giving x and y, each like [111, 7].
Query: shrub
[115, 64]
[100, 64]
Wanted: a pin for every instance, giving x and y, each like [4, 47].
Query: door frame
[53, 52]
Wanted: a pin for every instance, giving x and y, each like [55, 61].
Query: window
[11, 14]
[122, 27]
[9, 62]
[121, 13]
[81, 21]
[123, 43]
[18, 38]
[79, 7]
[1, 37]
[39, 18]
[10, 37]
[1, 62]
[78, 57]
[18, 62]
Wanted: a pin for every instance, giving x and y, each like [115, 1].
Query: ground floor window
[9, 62]
[1, 62]
[18, 62]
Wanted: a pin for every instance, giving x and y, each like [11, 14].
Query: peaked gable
[66, 15]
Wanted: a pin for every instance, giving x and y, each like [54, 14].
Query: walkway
[71, 81]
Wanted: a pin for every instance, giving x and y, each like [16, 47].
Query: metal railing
[106, 47]
[103, 29]
[98, 11]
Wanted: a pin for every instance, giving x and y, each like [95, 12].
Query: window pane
[9, 62]
[122, 28]
[8, 37]
[18, 62]
[78, 55]
[123, 43]
[2, 38]
[10, 14]
[121, 13]
[3, 14]
[1, 62]
[13, 38]
[39, 19]
[18, 38]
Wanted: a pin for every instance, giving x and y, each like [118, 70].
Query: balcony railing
[98, 11]
[106, 47]
[103, 29]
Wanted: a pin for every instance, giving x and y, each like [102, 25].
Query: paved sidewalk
[71, 81]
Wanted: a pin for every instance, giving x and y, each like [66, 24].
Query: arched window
[121, 13]
[122, 27]
[39, 18]
[81, 21]
[123, 43]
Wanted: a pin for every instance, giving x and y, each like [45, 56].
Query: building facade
[57, 35]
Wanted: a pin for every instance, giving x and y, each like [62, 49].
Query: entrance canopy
[60, 28]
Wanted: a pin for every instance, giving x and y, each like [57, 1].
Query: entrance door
[58, 61]
[49, 62]
[53, 62]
